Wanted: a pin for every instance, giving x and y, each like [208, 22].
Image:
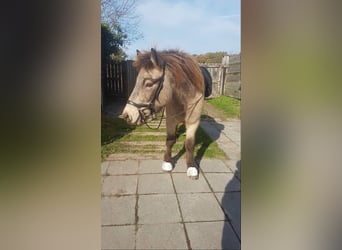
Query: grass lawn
[230, 106]
[119, 137]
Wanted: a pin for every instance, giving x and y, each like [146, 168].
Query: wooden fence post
[223, 76]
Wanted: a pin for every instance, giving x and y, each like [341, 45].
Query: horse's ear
[138, 52]
[154, 58]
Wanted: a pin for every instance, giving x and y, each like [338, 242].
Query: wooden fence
[118, 79]
[226, 77]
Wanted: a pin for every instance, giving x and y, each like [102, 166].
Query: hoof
[167, 166]
[192, 172]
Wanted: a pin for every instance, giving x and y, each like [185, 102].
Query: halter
[141, 106]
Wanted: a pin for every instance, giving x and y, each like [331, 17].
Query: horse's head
[147, 96]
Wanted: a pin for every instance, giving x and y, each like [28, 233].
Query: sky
[193, 26]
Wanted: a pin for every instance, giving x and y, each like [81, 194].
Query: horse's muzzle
[131, 115]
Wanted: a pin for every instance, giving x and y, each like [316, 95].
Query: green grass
[230, 106]
[117, 137]
[204, 146]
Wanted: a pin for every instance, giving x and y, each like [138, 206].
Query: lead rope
[160, 122]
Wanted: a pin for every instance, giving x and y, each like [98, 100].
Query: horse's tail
[207, 80]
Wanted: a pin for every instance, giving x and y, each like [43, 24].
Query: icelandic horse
[174, 80]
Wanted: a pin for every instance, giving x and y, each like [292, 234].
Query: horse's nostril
[124, 116]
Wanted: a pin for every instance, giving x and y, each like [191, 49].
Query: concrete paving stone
[231, 149]
[211, 130]
[122, 167]
[233, 123]
[184, 184]
[118, 237]
[158, 208]
[235, 166]
[231, 128]
[232, 131]
[155, 183]
[214, 165]
[180, 166]
[212, 235]
[235, 137]
[231, 202]
[150, 166]
[227, 143]
[223, 182]
[200, 207]
[104, 166]
[238, 175]
[161, 236]
[118, 210]
[119, 185]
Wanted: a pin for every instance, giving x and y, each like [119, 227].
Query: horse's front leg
[192, 170]
[170, 141]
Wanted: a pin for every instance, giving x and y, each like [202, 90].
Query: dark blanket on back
[207, 80]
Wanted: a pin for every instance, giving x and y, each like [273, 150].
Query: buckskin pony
[174, 80]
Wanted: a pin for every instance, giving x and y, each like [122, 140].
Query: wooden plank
[234, 68]
[232, 77]
[120, 78]
[115, 72]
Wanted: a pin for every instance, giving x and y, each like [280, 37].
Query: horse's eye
[149, 84]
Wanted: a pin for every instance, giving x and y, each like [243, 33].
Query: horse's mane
[182, 66]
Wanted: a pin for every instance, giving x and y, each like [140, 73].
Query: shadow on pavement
[214, 135]
[231, 202]
[200, 140]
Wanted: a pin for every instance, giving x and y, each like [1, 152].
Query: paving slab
[223, 182]
[211, 130]
[122, 167]
[118, 237]
[104, 166]
[231, 202]
[227, 134]
[155, 183]
[200, 207]
[150, 167]
[180, 166]
[183, 184]
[235, 166]
[118, 210]
[161, 236]
[214, 166]
[158, 208]
[230, 148]
[212, 235]
[119, 185]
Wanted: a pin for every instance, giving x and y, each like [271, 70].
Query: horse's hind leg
[170, 141]
[192, 170]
